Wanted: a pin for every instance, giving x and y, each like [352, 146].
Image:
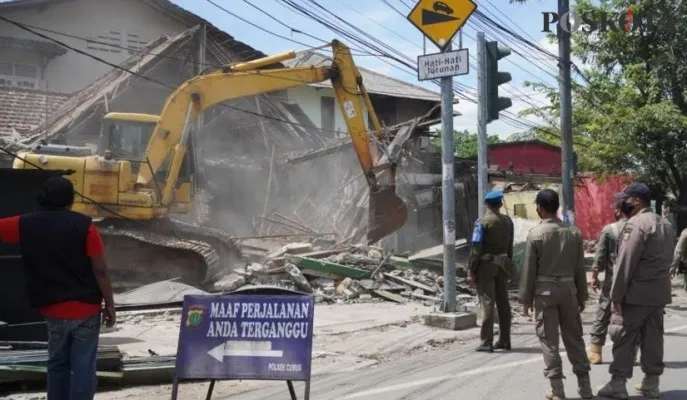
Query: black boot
[502, 345]
[486, 347]
[504, 338]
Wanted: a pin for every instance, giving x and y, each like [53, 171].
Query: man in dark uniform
[554, 281]
[640, 291]
[606, 251]
[491, 270]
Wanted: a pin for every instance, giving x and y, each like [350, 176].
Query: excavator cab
[125, 136]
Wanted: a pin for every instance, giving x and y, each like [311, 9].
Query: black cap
[546, 196]
[639, 190]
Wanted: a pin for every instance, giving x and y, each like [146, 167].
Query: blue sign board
[240, 336]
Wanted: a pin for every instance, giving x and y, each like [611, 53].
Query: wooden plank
[330, 267]
[320, 253]
[320, 274]
[400, 262]
[369, 284]
[423, 297]
[435, 251]
[390, 296]
[416, 285]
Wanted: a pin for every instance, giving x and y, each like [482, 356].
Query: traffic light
[494, 78]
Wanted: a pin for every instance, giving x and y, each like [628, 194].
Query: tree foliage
[631, 113]
[465, 143]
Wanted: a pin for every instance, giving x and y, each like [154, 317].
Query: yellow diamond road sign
[441, 20]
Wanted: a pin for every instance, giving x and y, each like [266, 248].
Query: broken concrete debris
[353, 274]
[298, 277]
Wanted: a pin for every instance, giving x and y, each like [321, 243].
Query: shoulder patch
[627, 232]
[478, 232]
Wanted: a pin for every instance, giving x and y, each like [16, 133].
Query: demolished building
[270, 147]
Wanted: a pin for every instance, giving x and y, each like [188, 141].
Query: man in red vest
[67, 280]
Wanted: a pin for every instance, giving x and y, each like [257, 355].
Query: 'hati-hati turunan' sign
[440, 65]
[261, 337]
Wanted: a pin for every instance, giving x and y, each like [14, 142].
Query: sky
[385, 20]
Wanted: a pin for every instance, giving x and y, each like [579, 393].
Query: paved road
[458, 372]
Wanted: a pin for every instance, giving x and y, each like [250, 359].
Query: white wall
[88, 19]
[308, 98]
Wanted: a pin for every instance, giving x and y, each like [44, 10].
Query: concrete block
[451, 321]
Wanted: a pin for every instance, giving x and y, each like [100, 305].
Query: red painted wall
[594, 197]
[527, 158]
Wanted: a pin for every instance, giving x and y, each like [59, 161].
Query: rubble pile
[346, 275]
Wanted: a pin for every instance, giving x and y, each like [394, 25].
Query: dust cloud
[261, 181]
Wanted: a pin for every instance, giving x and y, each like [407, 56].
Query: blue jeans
[72, 349]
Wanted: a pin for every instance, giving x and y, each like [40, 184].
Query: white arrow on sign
[243, 348]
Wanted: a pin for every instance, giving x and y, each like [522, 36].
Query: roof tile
[23, 110]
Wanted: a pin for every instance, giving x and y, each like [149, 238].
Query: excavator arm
[169, 139]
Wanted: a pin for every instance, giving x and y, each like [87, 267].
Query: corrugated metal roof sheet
[374, 82]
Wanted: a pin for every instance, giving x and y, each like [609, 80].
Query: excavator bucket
[387, 213]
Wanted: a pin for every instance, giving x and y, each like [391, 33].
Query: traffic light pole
[482, 162]
[448, 193]
[568, 170]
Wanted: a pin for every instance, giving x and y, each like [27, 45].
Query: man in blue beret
[491, 269]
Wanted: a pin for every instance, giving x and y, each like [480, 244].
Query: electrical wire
[506, 116]
[489, 21]
[292, 29]
[146, 78]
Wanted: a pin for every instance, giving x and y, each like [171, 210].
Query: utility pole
[564, 81]
[482, 167]
[448, 192]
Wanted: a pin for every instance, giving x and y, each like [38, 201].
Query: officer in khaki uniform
[606, 251]
[678, 257]
[554, 281]
[640, 291]
[491, 268]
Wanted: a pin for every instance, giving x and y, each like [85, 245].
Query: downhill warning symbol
[440, 20]
[430, 17]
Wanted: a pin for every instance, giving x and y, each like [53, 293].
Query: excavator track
[140, 253]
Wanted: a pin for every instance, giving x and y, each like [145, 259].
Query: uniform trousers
[637, 323]
[556, 306]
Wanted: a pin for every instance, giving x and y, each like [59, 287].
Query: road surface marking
[476, 371]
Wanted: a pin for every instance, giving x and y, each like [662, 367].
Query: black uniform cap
[638, 190]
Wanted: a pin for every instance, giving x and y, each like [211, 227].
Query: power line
[282, 23]
[474, 58]
[292, 29]
[258, 26]
[141, 76]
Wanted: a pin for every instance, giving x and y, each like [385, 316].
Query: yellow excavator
[131, 191]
